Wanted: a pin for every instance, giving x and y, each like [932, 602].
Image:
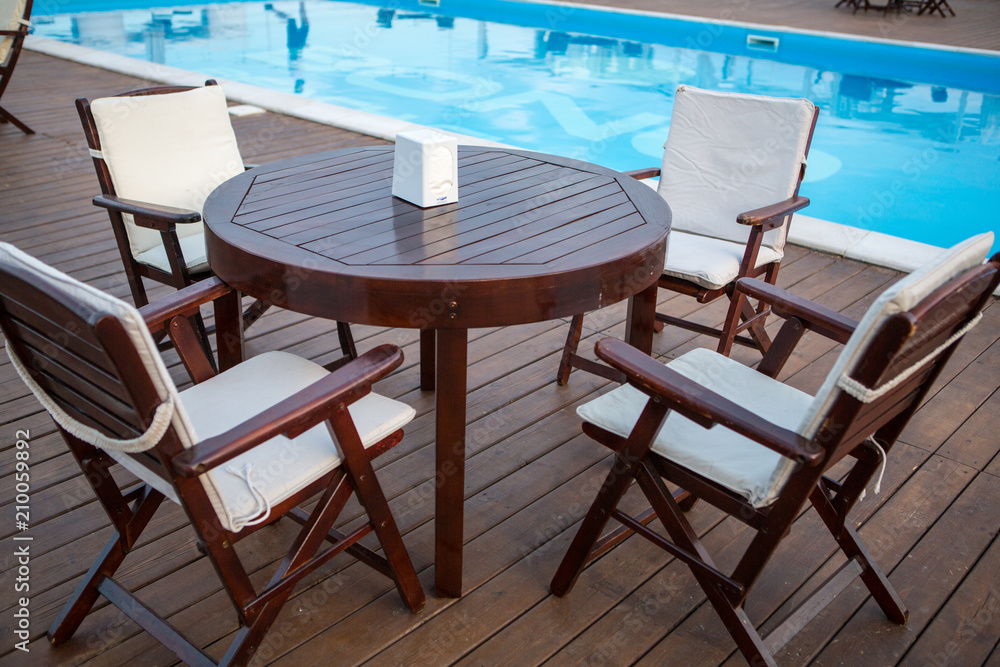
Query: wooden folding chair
[931, 6]
[14, 24]
[759, 450]
[237, 451]
[732, 166]
[159, 152]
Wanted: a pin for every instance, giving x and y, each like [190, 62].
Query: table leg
[449, 501]
[641, 318]
[427, 359]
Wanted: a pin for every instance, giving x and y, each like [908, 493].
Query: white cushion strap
[96, 154]
[854, 388]
[264, 511]
[25, 22]
[881, 468]
[161, 418]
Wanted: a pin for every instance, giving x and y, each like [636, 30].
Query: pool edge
[834, 238]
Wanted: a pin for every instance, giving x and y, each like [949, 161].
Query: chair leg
[852, 546]
[614, 488]
[669, 511]
[108, 562]
[346, 340]
[371, 497]
[729, 326]
[198, 322]
[79, 605]
[254, 312]
[569, 349]
[8, 117]
[739, 311]
[740, 628]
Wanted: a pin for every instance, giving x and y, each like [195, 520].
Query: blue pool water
[908, 140]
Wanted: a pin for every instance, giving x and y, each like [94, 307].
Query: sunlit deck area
[531, 473]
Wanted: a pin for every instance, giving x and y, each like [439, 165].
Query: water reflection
[386, 16]
[598, 98]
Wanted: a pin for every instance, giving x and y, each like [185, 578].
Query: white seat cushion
[900, 297]
[730, 459]
[728, 153]
[192, 249]
[708, 262]
[280, 466]
[171, 149]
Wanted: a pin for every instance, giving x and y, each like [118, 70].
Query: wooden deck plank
[956, 636]
[531, 474]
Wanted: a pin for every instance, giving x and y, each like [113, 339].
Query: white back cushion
[899, 298]
[170, 149]
[98, 301]
[728, 153]
[138, 333]
[11, 13]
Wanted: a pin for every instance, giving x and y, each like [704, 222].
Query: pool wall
[846, 241]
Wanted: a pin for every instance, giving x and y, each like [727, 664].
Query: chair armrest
[294, 415]
[159, 313]
[820, 319]
[639, 174]
[153, 216]
[773, 216]
[700, 404]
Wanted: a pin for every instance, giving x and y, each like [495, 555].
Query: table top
[532, 237]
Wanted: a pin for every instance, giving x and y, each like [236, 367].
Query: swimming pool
[908, 141]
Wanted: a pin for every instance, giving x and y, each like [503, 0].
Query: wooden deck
[531, 475]
[976, 23]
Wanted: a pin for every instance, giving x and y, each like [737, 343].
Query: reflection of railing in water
[386, 16]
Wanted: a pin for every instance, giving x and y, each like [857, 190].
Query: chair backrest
[92, 356]
[897, 350]
[902, 297]
[166, 146]
[14, 15]
[727, 153]
[894, 354]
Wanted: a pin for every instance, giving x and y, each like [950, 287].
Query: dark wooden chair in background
[759, 450]
[214, 448]
[931, 6]
[159, 152]
[14, 23]
[732, 166]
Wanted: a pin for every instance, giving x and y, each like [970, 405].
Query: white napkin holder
[425, 168]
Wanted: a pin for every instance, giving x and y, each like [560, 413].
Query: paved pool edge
[842, 240]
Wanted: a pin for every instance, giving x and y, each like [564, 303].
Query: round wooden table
[533, 237]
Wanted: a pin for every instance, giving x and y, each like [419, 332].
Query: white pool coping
[842, 240]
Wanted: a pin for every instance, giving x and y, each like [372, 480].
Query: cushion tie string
[94, 153]
[148, 440]
[881, 468]
[263, 511]
[862, 393]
